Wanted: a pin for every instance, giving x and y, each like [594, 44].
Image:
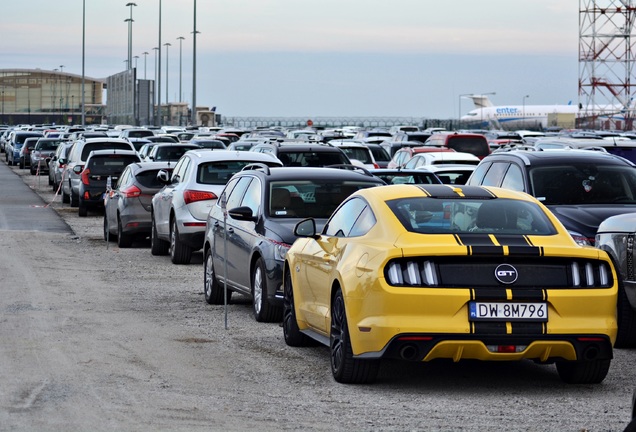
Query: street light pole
[523, 109]
[130, 21]
[194, 68]
[180, 39]
[83, 62]
[158, 119]
[167, 45]
[145, 54]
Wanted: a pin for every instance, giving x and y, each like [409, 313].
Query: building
[37, 96]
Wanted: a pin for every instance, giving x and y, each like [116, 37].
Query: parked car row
[413, 263]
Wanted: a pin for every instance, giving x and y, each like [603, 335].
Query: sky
[314, 58]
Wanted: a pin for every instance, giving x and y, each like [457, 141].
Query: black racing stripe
[512, 240]
[476, 192]
[439, 191]
[490, 294]
[527, 328]
[525, 250]
[487, 250]
[475, 239]
[491, 328]
[534, 295]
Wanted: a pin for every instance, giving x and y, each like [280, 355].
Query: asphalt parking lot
[101, 338]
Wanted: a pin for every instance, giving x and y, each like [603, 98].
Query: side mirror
[242, 213]
[305, 228]
[163, 176]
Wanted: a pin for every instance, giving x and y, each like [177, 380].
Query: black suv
[264, 205]
[581, 187]
[303, 154]
[100, 166]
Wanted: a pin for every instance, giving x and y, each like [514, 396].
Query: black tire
[212, 289]
[157, 246]
[626, 317]
[32, 171]
[344, 367]
[51, 183]
[263, 310]
[82, 210]
[583, 372]
[291, 332]
[21, 164]
[180, 253]
[65, 198]
[124, 240]
[74, 199]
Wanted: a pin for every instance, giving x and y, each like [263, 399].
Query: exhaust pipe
[408, 352]
[591, 352]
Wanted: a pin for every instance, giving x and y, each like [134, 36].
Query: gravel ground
[101, 338]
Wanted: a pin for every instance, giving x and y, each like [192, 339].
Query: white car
[456, 174]
[440, 158]
[356, 151]
[180, 209]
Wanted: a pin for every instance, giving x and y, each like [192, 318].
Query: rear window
[475, 145]
[218, 173]
[149, 178]
[140, 134]
[89, 147]
[361, 154]
[48, 145]
[310, 198]
[20, 138]
[312, 159]
[170, 153]
[110, 164]
[497, 216]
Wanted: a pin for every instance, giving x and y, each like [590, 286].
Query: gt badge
[506, 274]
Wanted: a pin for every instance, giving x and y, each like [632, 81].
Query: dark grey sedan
[127, 206]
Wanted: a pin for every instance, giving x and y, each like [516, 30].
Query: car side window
[180, 170]
[252, 198]
[236, 195]
[365, 222]
[479, 173]
[495, 174]
[125, 177]
[342, 221]
[513, 179]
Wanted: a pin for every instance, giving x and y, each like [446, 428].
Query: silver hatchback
[180, 209]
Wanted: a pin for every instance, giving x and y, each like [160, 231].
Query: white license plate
[507, 311]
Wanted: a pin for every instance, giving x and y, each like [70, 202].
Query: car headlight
[280, 249]
[581, 239]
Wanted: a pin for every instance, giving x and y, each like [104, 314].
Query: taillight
[191, 196]
[84, 176]
[131, 192]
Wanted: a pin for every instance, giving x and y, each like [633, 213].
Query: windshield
[310, 198]
[584, 184]
[446, 216]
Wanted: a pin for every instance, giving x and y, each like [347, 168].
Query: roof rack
[351, 167]
[256, 166]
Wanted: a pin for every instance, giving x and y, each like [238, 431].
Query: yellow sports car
[420, 272]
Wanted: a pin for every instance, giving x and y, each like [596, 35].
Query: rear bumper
[543, 348]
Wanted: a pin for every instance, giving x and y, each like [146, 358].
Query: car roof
[558, 157]
[107, 152]
[390, 192]
[204, 155]
[314, 173]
